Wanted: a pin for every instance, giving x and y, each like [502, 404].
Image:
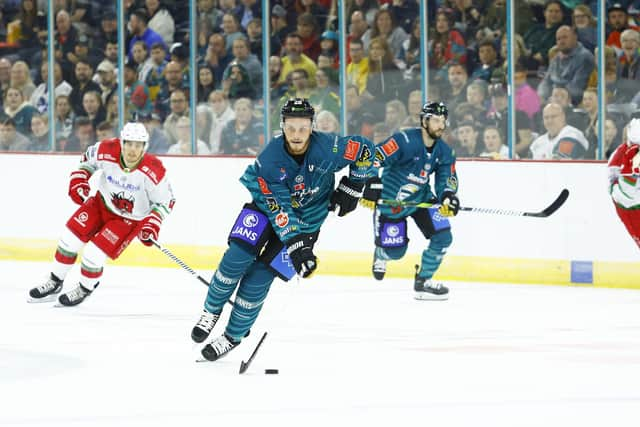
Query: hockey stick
[178, 261]
[559, 201]
[245, 365]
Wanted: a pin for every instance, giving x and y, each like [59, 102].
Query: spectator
[179, 108]
[585, 26]
[65, 40]
[315, 9]
[136, 93]
[358, 68]
[248, 11]
[183, 144]
[141, 58]
[203, 122]
[629, 65]
[384, 81]
[488, 61]
[158, 62]
[277, 89]
[610, 73]
[26, 29]
[527, 99]
[408, 59]
[81, 51]
[21, 79]
[493, 146]
[617, 22]
[384, 26]
[10, 138]
[570, 68]
[590, 106]
[108, 32]
[359, 119]
[477, 99]
[561, 141]
[138, 26]
[395, 115]
[244, 135]
[575, 117]
[323, 97]
[83, 136]
[209, 17]
[106, 80]
[368, 8]
[17, 108]
[158, 143]
[539, 38]
[405, 13]
[5, 76]
[326, 121]
[160, 21]
[92, 105]
[206, 84]
[231, 29]
[254, 36]
[414, 106]
[236, 82]
[357, 29]
[172, 81]
[329, 47]
[458, 77]
[307, 28]
[612, 137]
[113, 111]
[279, 29]
[111, 53]
[39, 140]
[84, 84]
[242, 55]
[295, 59]
[40, 96]
[217, 57]
[104, 130]
[64, 118]
[221, 114]
[466, 17]
[446, 46]
[467, 140]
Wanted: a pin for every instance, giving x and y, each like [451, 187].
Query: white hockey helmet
[633, 132]
[134, 131]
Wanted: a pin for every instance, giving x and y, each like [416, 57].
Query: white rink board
[209, 197]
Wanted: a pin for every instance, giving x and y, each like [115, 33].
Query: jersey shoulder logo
[390, 147]
[351, 151]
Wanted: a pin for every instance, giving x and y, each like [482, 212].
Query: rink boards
[583, 243]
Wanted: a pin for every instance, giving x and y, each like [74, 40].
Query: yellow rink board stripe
[462, 268]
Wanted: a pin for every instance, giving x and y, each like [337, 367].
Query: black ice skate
[427, 289]
[46, 292]
[75, 296]
[205, 325]
[379, 268]
[219, 347]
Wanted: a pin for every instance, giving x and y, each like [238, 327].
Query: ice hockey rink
[350, 351]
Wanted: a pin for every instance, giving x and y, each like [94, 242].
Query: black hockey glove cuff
[301, 255]
[345, 197]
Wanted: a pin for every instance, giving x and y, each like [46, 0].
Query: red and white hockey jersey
[624, 176]
[130, 193]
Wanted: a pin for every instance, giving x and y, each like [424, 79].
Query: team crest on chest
[122, 203]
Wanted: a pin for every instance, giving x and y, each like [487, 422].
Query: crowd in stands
[555, 72]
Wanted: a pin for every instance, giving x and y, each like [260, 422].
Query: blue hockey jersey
[295, 196]
[407, 166]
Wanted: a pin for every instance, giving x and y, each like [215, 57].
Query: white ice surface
[351, 352]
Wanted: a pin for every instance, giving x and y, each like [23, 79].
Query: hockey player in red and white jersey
[133, 197]
[624, 180]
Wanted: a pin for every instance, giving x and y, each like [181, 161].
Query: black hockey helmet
[297, 107]
[434, 109]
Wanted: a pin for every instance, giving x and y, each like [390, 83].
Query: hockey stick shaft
[178, 261]
[245, 365]
[559, 201]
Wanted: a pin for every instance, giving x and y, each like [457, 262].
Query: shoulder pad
[152, 167]
[109, 150]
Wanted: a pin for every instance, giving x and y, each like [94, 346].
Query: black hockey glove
[346, 196]
[450, 204]
[301, 255]
[372, 193]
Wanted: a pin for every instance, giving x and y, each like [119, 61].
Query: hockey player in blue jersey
[408, 158]
[292, 186]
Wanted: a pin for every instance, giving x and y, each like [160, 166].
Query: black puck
[270, 371]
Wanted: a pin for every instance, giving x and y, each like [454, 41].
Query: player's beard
[435, 135]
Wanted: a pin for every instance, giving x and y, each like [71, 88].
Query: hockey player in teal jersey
[408, 158]
[292, 189]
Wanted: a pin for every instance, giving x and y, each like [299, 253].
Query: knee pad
[251, 229]
[394, 253]
[441, 240]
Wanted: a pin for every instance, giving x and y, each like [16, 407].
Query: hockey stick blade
[549, 210]
[245, 365]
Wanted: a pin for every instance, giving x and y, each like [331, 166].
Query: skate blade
[49, 298]
[425, 296]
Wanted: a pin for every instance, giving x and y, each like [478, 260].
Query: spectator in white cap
[106, 78]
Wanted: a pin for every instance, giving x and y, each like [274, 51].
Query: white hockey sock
[66, 253]
[93, 259]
